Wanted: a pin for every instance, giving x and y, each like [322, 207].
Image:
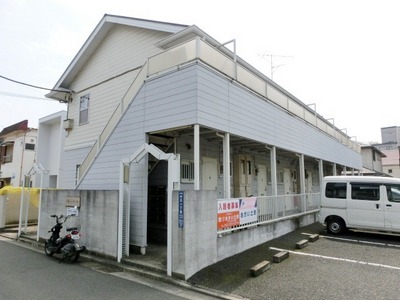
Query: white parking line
[356, 241]
[337, 259]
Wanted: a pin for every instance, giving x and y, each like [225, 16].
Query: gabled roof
[107, 22]
[373, 148]
[20, 126]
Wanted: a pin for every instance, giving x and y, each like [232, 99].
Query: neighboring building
[390, 135]
[50, 148]
[392, 162]
[18, 148]
[139, 86]
[391, 148]
[372, 161]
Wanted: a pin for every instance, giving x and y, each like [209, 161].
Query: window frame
[362, 186]
[84, 107]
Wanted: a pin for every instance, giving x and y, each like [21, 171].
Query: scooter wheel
[72, 257]
[47, 250]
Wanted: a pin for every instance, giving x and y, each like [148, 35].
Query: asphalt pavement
[352, 266]
[232, 273]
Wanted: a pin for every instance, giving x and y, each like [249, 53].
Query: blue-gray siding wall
[196, 94]
[224, 105]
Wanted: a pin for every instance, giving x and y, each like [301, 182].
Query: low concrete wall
[98, 217]
[196, 245]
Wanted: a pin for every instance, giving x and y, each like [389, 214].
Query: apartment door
[262, 180]
[243, 175]
[210, 173]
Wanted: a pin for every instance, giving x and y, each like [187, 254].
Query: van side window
[393, 193]
[336, 190]
[365, 191]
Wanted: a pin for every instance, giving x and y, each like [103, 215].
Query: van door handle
[377, 205]
[388, 205]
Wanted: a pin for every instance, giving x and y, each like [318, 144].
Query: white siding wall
[50, 146]
[125, 48]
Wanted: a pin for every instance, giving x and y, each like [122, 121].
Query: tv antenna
[274, 67]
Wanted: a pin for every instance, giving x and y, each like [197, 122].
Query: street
[29, 274]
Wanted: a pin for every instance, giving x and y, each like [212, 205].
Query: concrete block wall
[196, 245]
[98, 217]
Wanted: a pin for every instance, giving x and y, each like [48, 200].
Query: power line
[23, 96]
[31, 85]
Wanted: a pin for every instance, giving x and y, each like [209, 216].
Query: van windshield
[393, 193]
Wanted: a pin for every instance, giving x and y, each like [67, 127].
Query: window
[365, 191]
[390, 171]
[187, 171]
[77, 173]
[336, 190]
[280, 177]
[7, 153]
[221, 169]
[393, 193]
[84, 109]
[29, 146]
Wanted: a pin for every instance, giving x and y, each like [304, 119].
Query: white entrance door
[309, 183]
[210, 173]
[262, 180]
[287, 181]
[287, 184]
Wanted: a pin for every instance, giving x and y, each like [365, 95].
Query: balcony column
[334, 170]
[196, 157]
[302, 182]
[321, 171]
[226, 162]
[302, 174]
[274, 181]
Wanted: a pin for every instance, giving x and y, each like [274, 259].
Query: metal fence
[271, 209]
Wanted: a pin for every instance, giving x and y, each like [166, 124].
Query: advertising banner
[235, 212]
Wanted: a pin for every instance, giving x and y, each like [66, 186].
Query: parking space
[352, 266]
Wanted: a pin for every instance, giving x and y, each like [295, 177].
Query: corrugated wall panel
[252, 117]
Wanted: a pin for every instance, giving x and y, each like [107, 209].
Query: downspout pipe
[226, 164]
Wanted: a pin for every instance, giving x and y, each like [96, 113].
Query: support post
[226, 162]
[302, 182]
[196, 157]
[302, 174]
[274, 181]
[321, 172]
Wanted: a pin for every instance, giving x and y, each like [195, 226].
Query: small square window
[29, 146]
[187, 171]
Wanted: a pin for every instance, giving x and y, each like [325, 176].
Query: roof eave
[95, 38]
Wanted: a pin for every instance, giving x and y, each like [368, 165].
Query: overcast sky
[342, 55]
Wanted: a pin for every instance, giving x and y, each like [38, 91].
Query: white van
[360, 202]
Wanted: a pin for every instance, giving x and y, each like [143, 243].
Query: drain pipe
[226, 164]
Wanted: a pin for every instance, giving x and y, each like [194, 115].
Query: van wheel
[335, 226]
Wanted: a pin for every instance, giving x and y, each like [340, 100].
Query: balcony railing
[268, 209]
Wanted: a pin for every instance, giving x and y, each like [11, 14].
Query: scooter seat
[72, 228]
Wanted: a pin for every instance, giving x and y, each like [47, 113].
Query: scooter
[66, 245]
